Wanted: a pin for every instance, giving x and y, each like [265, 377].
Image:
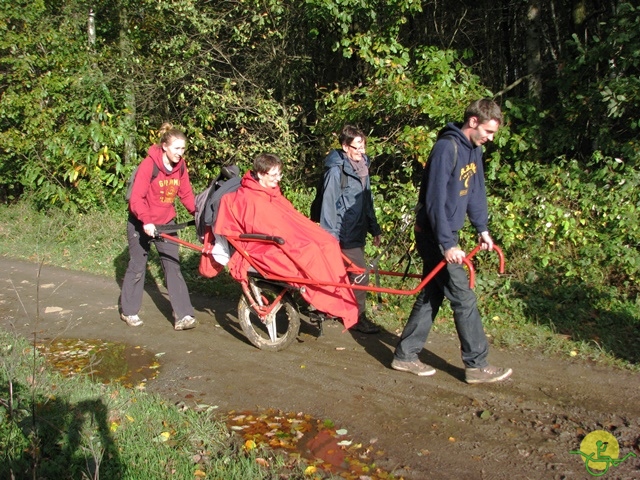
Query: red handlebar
[307, 281]
[472, 271]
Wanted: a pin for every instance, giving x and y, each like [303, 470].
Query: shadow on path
[61, 439]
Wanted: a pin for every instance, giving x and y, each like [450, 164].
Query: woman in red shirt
[161, 177]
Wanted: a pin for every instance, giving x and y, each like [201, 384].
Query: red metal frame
[235, 242]
[261, 310]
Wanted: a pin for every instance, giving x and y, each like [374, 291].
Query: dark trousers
[133, 283]
[356, 255]
[451, 282]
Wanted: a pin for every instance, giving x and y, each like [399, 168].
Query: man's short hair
[484, 110]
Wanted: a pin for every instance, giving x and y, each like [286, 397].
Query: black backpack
[422, 192]
[316, 205]
[208, 200]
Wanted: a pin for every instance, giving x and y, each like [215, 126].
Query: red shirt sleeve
[185, 193]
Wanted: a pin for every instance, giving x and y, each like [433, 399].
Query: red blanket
[256, 209]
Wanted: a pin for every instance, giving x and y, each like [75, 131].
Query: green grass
[536, 309]
[55, 427]
[95, 243]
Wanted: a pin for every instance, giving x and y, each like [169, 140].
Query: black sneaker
[365, 325]
[488, 374]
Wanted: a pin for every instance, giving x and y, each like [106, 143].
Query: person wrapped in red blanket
[258, 207]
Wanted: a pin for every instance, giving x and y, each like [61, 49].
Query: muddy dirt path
[425, 428]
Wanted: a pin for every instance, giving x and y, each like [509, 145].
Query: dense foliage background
[85, 84]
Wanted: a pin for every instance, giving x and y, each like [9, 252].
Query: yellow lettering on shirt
[169, 182]
[466, 173]
[169, 189]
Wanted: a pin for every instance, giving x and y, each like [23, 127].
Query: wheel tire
[287, 319]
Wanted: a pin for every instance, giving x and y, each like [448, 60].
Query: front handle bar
[472, 270]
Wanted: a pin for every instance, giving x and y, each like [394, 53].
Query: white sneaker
[185, 323]
[131, 320]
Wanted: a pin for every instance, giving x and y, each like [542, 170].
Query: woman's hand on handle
[150, 229]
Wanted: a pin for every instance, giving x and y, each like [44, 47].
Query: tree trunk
[129, 89]
[533, 49]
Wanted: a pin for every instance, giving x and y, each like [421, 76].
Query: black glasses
[361, 147]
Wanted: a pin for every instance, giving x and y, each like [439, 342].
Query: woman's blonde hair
[168, 133]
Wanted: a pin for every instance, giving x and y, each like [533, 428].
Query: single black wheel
[280, 328]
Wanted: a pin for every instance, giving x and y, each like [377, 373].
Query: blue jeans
[451, 282]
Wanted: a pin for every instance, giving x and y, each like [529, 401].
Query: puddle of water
[105, 362]
[324, 447]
